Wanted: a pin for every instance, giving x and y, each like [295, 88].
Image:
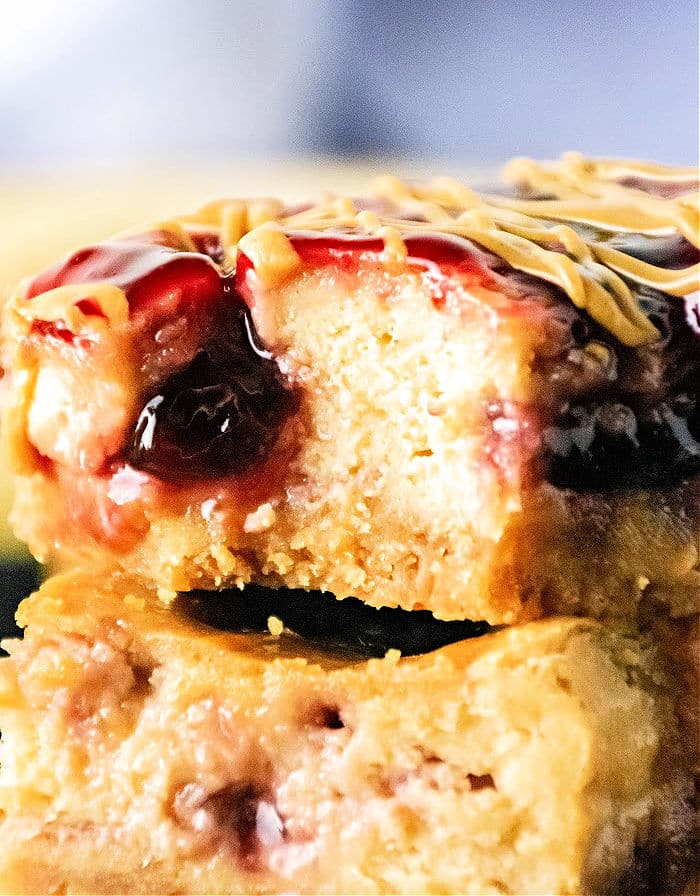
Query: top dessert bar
[483, 405]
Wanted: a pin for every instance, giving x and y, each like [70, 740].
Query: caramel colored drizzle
[532, 235]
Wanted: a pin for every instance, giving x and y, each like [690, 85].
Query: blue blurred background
[128, 81]
[197, 85]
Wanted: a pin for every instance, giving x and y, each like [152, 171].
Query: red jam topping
[318, 249]
[219, 407]
[154, 275]
[216, 400]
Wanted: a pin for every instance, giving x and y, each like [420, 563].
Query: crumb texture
[541, 759]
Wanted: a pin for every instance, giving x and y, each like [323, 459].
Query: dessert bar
[144, 752]
[482, 405]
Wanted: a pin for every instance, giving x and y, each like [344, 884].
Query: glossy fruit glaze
[633, 422]
[218, 410]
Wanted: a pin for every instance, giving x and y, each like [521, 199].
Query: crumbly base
[602, 556]
[145, 754]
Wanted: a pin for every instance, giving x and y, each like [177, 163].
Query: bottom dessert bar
[144, 752]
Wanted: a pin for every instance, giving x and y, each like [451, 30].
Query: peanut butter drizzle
[532, 235]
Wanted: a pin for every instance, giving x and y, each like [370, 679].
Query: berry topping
[438, 248]
[209, 400]
[613, 417]
[152, 270]
[610, 446]
[218, 416]
[671, 252]
[240, 818]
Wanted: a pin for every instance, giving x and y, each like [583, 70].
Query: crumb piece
[225, 560]
[260, 520]
[131, 600]
[167, 595]
[275, 626]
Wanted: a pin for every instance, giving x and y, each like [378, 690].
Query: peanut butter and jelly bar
[144, 752]
[481, 405]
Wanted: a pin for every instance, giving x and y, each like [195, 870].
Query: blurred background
[113, 111]
[134, 81]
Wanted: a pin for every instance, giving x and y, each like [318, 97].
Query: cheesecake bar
[481, 405]
[144, 752]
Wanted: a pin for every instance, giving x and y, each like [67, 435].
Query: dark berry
[221, 414]
[610, 446]
[628, 421]
[662, 251]
[240, 818]
[217, 400]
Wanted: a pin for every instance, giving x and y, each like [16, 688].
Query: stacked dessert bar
[381, 522]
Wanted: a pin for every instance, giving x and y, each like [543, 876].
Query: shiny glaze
[151, 268]
[220, 408]
[219, 416]
[616, 436]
